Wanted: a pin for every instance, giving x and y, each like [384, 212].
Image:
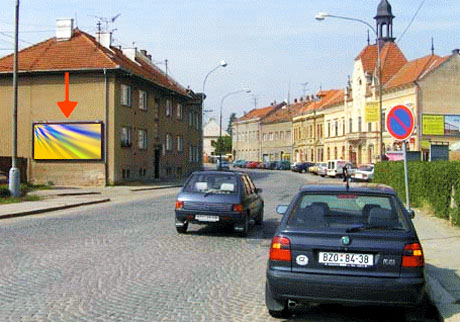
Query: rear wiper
[370, 227]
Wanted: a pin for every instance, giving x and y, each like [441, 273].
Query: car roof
[218, 172]
[359, 188]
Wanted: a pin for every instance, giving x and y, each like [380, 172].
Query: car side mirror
[258, 190]
[411, 213]
[281, 209]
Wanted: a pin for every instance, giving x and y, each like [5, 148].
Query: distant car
[364, 173]
[314, 169]
[335, 168]
[302, 167]
[252, 165]
[345, 245]
[283, 165]
[245, 164]
[293, 165]
[238, 163]
[222, 165]
[209, 197]
[322, 169]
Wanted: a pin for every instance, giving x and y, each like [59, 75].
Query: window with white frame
[270, 136]
[125, 95]
[180, 143]
[179, 111]
[169, 143]
[168, 108]
[142, 137]
[126, 136]
[143, 100]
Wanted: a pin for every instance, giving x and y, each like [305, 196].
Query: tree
[231, 119]
[225, 143]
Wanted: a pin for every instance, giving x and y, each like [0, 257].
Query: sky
[272, 47]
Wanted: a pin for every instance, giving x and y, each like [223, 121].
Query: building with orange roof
[246, 130]
[276, 133]
[149, 125]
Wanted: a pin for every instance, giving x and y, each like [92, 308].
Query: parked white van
[335, 168]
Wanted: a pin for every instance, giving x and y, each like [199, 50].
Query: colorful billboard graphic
[452, 125]
[432, 124]
[67, 141]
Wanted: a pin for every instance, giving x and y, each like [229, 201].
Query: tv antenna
[106, 21]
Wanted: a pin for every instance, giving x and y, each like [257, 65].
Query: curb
[156, 188]
[78, 193]
[55, 208]
[444, 302]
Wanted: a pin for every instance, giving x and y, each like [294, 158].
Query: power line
[5, 34]
[412, 20]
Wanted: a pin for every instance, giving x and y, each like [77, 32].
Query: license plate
[207, 218]
[346, 259]
[358, 175]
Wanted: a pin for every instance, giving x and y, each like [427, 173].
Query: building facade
[150, 124]
[211, 133]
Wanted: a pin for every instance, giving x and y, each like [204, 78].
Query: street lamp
[247, 90]
[222, 63]
[320, 17]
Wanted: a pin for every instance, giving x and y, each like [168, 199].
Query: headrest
[201, 186]
[381, 217]
[227, 187]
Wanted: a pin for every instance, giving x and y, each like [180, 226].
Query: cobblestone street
[124, 261]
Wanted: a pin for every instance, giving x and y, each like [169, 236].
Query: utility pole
[14, 175]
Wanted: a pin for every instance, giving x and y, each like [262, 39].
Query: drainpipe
[419, 110]
[106, 131]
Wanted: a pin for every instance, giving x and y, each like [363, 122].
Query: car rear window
[346, 210]
[212, 182]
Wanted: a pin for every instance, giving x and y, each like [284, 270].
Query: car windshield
[212, 183]
[346, 211]
[366, 168]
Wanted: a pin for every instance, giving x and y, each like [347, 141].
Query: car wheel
[245, 230]
[182, 229]
[260, 216]
[419, 312]
[303, 171]
[276, 308]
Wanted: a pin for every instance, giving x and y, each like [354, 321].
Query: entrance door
[156, 163]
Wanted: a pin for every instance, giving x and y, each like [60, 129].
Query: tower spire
[384, 21]
[432, 46]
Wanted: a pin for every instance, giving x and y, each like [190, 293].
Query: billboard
[371, 112]
[443, 125]
[68, 141]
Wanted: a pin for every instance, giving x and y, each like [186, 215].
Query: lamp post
[247, 90]
[320, 17]
[222, 63]
[14, 178]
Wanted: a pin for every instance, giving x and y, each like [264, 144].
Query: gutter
[106, 128]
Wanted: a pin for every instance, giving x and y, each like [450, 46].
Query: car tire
[182, 229]
[245, 230]
[260, 217]
[303, 171]
[276, 308]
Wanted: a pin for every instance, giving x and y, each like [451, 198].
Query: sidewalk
[441, 245]
[60, 198]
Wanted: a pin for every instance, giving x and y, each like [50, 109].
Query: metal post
[14, 175]
[406, 177]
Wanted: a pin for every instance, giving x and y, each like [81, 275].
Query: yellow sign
[425, 144]
[371, 112]
[432, 124]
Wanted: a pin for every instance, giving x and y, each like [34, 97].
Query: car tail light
[280, 249]
[179, 204]
[413, 256]
[237, 208]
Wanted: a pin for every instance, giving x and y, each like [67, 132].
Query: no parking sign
[400, 122]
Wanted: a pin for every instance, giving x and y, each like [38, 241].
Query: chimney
[64, 29]
[130, 53]
[104, 38]
[295, 100]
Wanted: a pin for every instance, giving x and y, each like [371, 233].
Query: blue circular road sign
[400, 122]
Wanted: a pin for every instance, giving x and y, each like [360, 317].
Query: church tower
[384, 19]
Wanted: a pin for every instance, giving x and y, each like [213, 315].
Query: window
[197, 121]
[180, 143]
[328, 129]
[126, 137]
[270, 136]
[359, 124]
[169, 143]
[125, 95]
[343, 152]
[190, 118]
[179, 111]
[277, 135]
[336, 128]
[288, 135]
[190, 158]
[142, 136]
[343, 126]
[168, 108]
[383, 118]
[328, 153]
[335, 153]
[282, 135]
[157, 109]
[369, 127]
[350, 120]
[143, 100]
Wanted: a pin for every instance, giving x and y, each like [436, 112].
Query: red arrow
[67, 106]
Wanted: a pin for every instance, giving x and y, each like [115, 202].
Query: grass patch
[9, 200]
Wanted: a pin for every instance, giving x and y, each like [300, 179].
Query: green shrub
[4, 192]
[430, 183]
